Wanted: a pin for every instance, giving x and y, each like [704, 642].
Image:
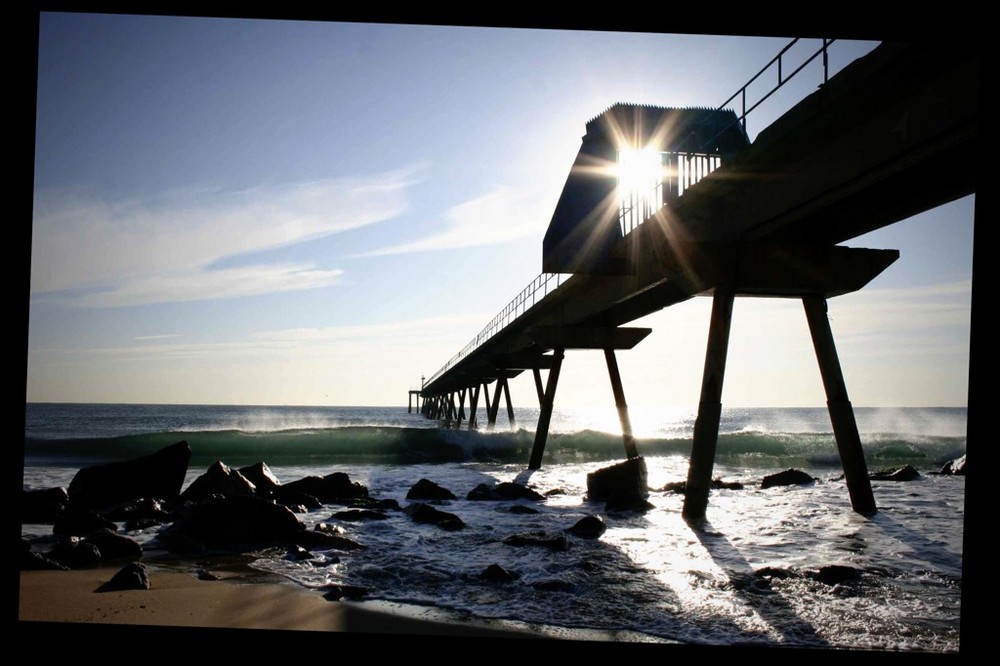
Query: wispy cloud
[138, 252]
[500, 215]
[161, 336]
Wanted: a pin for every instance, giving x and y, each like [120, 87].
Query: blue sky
[279, 212]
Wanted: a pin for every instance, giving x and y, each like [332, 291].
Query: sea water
[748, 574]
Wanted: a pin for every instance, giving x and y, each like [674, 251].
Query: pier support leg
[461, 408]
[452, 412]
[616, 387]
[538, 386]
[409, 403]
[473, 405]
[495, 407]
[845, 428]
[545, 414]
[706, 426]
[510, 405]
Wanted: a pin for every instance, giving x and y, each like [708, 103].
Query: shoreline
[258, 601]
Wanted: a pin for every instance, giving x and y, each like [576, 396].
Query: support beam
[845, 428]
[538, 386]
[545, 415]
[616, 387]
[495, 407]
[473, 405]
[706, 427]
[461, 408]
[510, 405]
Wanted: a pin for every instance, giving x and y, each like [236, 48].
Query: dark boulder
[261, 476]
[358, 515]
[237, 521]
[298, 554]
[43, 506]
[80, 522]
[220, 480]
[790, 477]
[503, 492]
[322, 540]
[424, 489]
[626, 479]
[956, 467]
[75, 554]
[115, 546]
[130, 577]
[336, 592]
[145, 511]
[625, 501]
[332, 488]
[836, 574]
[31, 560]
[293, 498]
[550, 540]
[425, 513]
[680, 487]
[520, 508]
[588, 527]
[497, 574]
[158, 475]
[904, 473]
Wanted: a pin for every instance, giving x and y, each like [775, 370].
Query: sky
[237, 211]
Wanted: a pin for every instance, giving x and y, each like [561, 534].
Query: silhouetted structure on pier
[665, 204]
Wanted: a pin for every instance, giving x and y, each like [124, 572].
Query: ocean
[747, 575]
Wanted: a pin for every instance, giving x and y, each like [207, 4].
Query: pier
[665, 204]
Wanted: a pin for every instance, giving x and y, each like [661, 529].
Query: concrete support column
[510, 405]
[545, 414]
[845, 428]
[495, 406]
[473, 405]
[706, 426]
[616, 387]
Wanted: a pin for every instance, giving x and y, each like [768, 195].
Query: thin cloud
[161, 336]
[137, 252]
[500, 215]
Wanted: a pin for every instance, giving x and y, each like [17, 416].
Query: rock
[386, 505]
[332, 488]
[789, 477]
[80, 522]
[588, 527]
[43, 506]
[503, 491]
[147, 511]
[520, 508]
[956, 467]
[75, 554]
[338, 592]
[130, 577]
[836, 574]
[358, 515]
[261, 476]
[425, 513]
[293, 498]
[237, 521]
[550, 540]
[298, 554]
[554, 492]
[219, 479]
[33, 561]
[158, 475]
[327, 528]
[321, 540]
[680, 487]
[497, 574]
[115, 546]
[626, 479]
[626, 501]
[425, 489]
[904, 473]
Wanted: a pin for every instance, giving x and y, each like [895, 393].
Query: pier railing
[537, 289]
[674, 173]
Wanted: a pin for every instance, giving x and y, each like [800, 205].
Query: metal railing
[674, 174]
[536, 290]
[782, 80]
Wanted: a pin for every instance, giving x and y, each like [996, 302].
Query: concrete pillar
[545, 414]
[616, 387]
[845, 428]
[706, 426]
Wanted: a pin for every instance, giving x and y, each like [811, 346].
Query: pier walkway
[663, 205]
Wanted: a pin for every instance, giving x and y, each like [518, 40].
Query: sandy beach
[178, 599]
